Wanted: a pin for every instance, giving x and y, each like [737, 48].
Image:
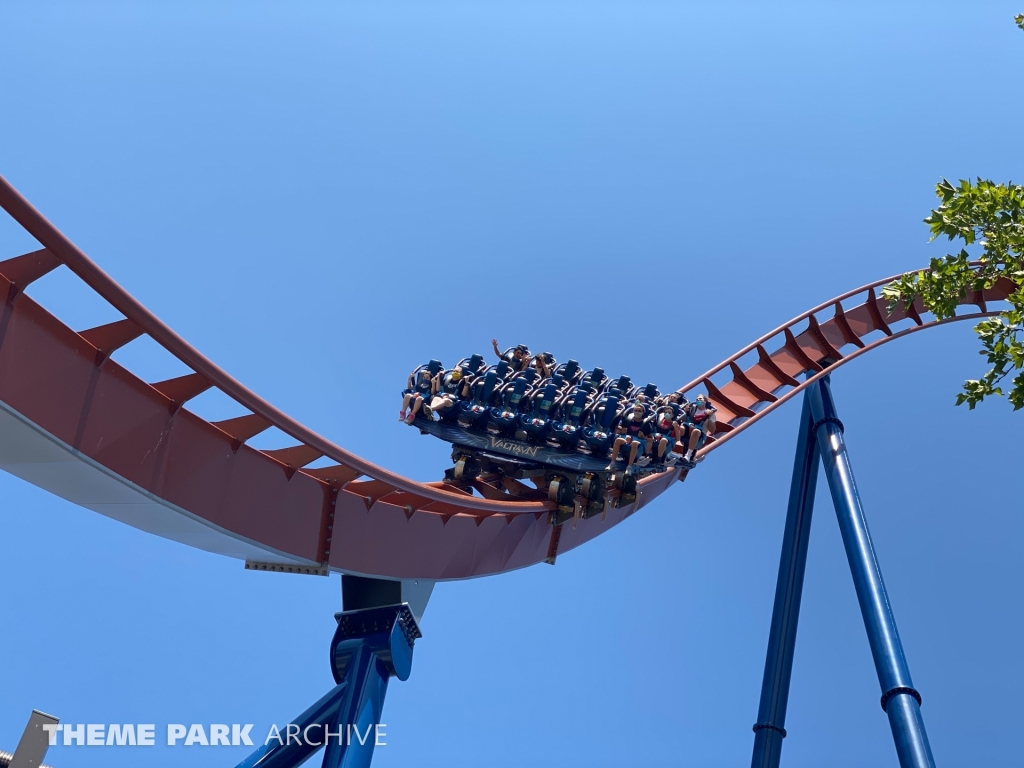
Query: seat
[500, 370]
[433, 367]
[595, 378]
[566, 431]
[473, 412]
[503, 416]
[569, 371]
[599, 436]
[536, 425]
[471, 365]
[530, 375]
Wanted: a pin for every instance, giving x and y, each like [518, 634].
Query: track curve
[76, 423]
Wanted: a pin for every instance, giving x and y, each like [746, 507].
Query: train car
[578, 438]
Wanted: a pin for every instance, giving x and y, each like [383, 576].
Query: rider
[446, 390]
[700, 422]
[630, 431]
[666, 431]
[417, 393]
[518, 358]
[545, 364]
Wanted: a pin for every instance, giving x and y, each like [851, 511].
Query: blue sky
[320, 196]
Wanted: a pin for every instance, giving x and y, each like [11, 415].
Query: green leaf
[990, 216]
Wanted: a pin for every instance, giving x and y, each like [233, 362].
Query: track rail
[145, 321]
[809, 344]
[354, 516]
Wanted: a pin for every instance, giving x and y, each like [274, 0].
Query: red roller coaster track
[76, 423]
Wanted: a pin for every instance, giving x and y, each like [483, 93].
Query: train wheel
[562, 491]
[554, 486]
[627, 491]
[592, 494]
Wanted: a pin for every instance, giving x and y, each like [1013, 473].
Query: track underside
[75, 422]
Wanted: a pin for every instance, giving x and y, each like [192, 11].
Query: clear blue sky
[320, 196]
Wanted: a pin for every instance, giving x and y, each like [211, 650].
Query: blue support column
[900, 699]
[370, 646]
[770, 729]
[351, 736]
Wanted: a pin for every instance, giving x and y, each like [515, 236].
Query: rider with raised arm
[518, 358]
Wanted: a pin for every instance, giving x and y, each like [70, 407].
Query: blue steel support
[770, 729]
[370, 646]
[900, 700]
[355, 721]
[278, 754]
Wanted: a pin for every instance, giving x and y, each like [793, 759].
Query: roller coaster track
[75, 422]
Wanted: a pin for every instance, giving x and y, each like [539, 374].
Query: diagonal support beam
[821, 435]
[276, 753]
[770, 729]
[900, 700]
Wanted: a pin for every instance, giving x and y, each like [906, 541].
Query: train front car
[533, 429]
